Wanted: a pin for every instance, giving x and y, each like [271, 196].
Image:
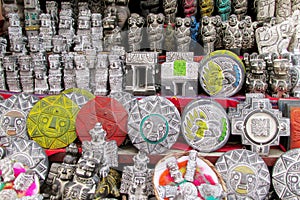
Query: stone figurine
[240, 8]
[232, 35]
[224, 9]
[135, 32]
[265, 10]
[69, 76]
[155, 30]
[26, 74]
[190, 8]
[170, 10]
[208, 34]
[183, 33]
[12, 73]
[55, 74]
[248, 33]
[206, 7]
[217, 22]
[101, 72]
[283, 10]
[137, 179]
[97, 31]
[82, 72]
[150, 6]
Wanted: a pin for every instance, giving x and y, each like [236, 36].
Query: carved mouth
[11, 132]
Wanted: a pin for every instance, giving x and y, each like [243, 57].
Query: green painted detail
[179, 68]
[142, 132]
[224, 129]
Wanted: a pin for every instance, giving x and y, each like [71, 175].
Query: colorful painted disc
[79, 96]
[29, 153]
[245, 173]
[109, 112]
[125, 98]
[153, 124]
[221, 73]
[205, 125]
[187, 176]
[286, 175]
[51, 122]
[13, 115]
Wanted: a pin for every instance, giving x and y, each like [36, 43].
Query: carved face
[98, 133]
[66, 172]
[96, 20]
[86, 168]
[155, 20]
[154, 128]
[281, 66]
[84, 23]
[14, 122]
[243, 179]
[135, 20]
[293, 178]
[232, 21]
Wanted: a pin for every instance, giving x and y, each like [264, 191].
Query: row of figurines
[181, 175]
[211, 32]
[118, 71]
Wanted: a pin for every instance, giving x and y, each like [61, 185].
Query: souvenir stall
[149, 99]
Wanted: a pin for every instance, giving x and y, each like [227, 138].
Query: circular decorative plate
[187, 176]
[13, 115]
[245, 173]
[286, 175]
[109, 112]
[153, 124]
[125, 98]
[221, 73]
[205, 125]
[51, 122]
[29, 153]
[79, 96]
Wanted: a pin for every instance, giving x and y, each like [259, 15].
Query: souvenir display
[285, 175]
[19, 182]
[51, 122]
[187, 176]
[137, 179]
[240, 8]
[109, 112]
[260, 125]
[135, 32]
[179, 78]
[265, 10]
[206, 7]
[125, 98]
[208, 34]
[29, 153]
[140, 65]
[14, 112]
[79, 96]
[155, 31]
[245, 173]
[205, 125]
[153, 124]
[183, 34]
[221, 73]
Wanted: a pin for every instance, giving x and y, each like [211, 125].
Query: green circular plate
[221, 73]
[51, 122]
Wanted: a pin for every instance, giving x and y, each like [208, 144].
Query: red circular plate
[109, 112]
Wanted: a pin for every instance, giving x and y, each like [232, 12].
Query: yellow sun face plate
[51, 122]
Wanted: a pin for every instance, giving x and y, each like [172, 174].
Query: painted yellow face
[243, 179]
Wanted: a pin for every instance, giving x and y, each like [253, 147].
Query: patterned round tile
[154, 124]
[205, 125]
[286, 175]
[51, 122]
[13, 115]
[125, 98]
[109, 112]
[245, 173]
[221, 73]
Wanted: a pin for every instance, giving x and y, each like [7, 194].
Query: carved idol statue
[12, 73]
[115, 73]
[195, 26]
[208, 34]
[170, 10]
[41, 85]
[155, 30]
[123, 12]
[240, 8]
[183, 33]
[206, 7]
[224, 8]
[82, 72]
[69, 76]
[26, 73]
[97, 32]
[55, 74]
[135, 32]
[137, 179]
[150, 6]
[248, 32]
[217, 22]
[47, 30]
[101, 73]
[283, 10]
[232, 35]
[59, 44]
[111, 30]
